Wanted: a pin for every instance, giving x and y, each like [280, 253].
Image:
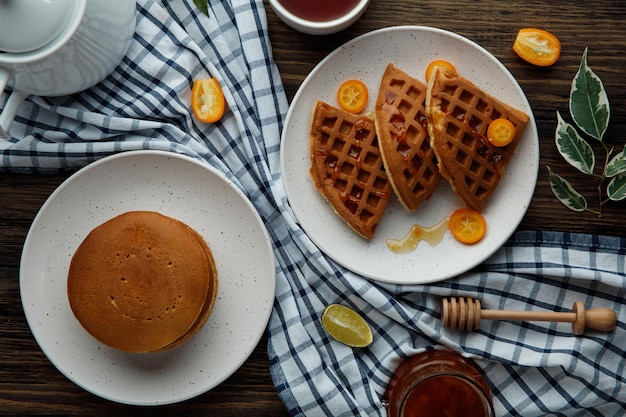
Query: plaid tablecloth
[534, 369]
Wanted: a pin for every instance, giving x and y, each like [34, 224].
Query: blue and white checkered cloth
[534, 369]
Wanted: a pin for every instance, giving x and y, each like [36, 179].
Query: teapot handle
[10, 108]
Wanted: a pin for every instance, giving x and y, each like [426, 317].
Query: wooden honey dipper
[464, 313]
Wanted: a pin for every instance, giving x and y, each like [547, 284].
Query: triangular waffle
[347, 168]
[403, 138]
[458, 114]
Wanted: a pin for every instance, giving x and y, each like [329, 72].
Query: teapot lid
[27, 25]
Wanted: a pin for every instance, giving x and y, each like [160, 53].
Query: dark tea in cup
[319, 10]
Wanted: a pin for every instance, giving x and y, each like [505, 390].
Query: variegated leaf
[616, 190]
[564, 191]
[576, 151]
[589, 104]
[617, 164]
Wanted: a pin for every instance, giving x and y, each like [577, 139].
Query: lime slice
[347, 326]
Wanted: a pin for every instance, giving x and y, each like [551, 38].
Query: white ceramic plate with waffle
[410, 48]
[180, 187]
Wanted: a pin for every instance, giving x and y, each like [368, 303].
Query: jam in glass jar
[438, 383]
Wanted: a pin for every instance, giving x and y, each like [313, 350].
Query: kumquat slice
[352, 96]
[467, 225]
[501, 132]
[438, 63]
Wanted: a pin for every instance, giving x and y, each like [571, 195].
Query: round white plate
[180, 187]
[410, 48]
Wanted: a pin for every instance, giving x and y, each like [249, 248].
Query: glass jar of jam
[438, 383]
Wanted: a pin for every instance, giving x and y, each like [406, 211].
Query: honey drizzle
[432, 235]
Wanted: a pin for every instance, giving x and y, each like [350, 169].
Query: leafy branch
[590, 111]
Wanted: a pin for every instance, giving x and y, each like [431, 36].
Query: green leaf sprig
[590, 111]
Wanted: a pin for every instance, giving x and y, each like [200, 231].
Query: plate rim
[270, 280]
[415, 29]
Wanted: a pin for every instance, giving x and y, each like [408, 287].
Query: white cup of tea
[319, 17]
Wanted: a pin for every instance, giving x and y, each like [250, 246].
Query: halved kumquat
[207, 100]
[467, 225]
[353, 96]
[537, 46]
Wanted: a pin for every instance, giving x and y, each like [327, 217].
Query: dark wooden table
[29, 384]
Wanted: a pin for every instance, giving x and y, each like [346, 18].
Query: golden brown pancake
[459, 114]
[209, 302]
[142, 282]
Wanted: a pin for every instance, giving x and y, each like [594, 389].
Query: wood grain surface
[31, 385]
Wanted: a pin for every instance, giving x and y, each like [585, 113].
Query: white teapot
[59, 47]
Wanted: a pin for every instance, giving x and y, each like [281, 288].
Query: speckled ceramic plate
[411, 49]
[179, 187]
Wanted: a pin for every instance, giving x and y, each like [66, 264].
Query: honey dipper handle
[514, 315]
[602, 319]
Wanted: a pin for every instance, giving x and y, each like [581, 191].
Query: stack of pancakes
[142, 282]
[422, 133]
